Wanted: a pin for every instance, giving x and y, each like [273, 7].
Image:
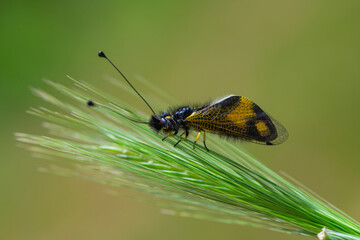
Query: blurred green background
[299, 60]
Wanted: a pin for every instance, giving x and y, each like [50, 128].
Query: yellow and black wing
[238, 117]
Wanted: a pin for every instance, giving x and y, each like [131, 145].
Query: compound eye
[162, 121]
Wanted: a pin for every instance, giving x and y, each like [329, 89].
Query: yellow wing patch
[262, 129]
[242, 111]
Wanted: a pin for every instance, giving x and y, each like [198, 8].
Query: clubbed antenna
[102, 54]
[91, 103]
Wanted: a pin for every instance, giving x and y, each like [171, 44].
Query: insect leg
[182, 139]
[170, 135]
[205, 141]
[197, 138]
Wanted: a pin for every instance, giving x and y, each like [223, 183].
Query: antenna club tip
[101, 54]
[90, 103]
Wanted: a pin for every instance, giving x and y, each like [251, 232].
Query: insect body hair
[155, 124]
